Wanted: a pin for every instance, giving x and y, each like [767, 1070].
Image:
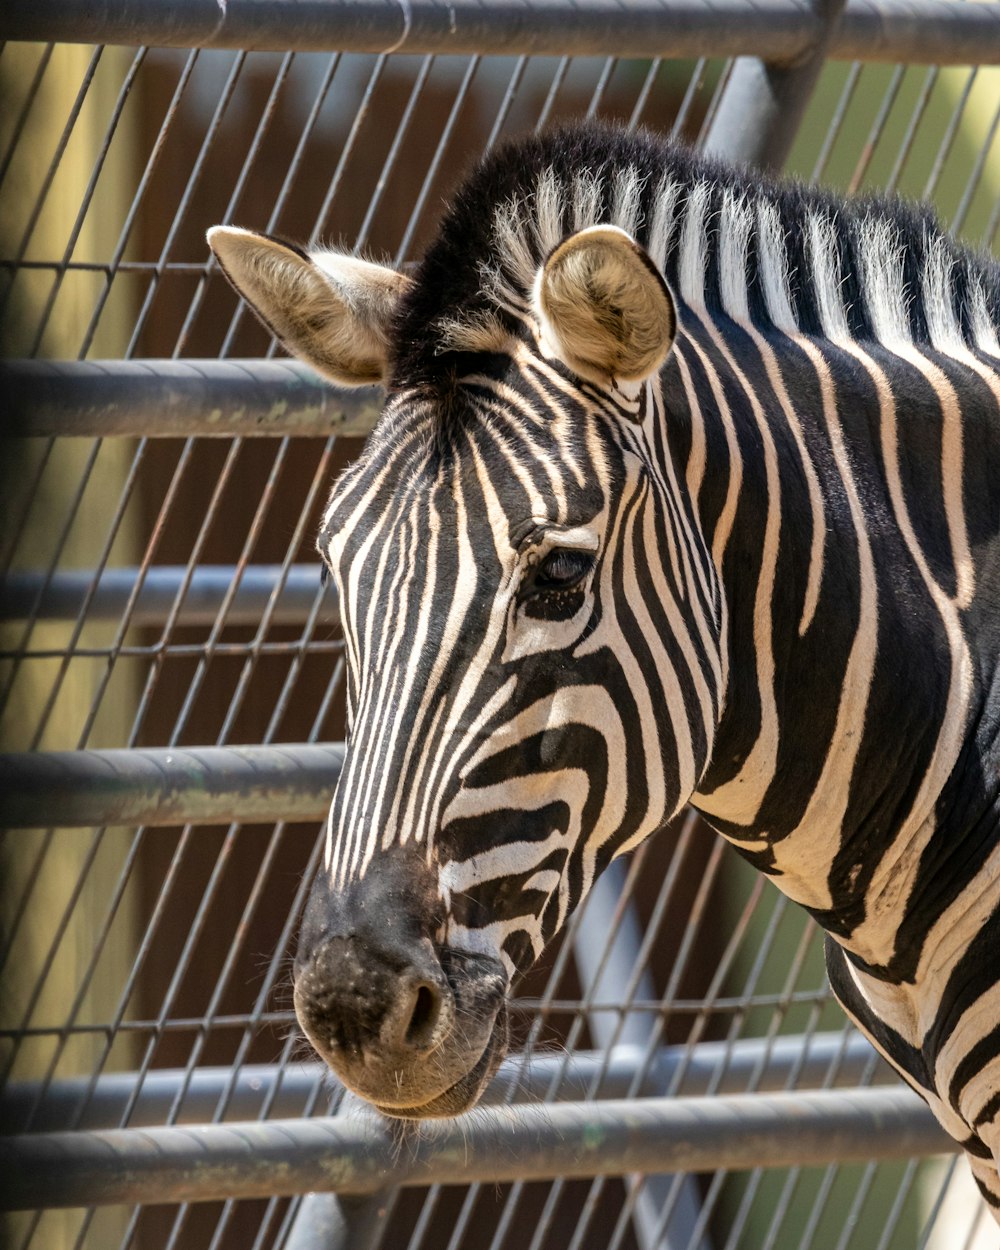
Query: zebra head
[531, 632]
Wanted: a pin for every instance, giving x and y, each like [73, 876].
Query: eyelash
[576, 566]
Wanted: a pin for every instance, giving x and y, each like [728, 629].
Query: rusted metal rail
[168, 785]
[780, 31]
[364, 1154]
[179, 399]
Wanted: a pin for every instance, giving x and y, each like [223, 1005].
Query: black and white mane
[791, 254]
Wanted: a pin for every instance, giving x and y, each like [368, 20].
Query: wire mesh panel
[163, 598]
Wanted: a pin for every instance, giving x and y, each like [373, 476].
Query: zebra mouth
[466, 1092]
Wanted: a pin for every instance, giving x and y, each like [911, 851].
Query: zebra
[686, 490]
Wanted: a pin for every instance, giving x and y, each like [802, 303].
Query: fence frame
[781, 46]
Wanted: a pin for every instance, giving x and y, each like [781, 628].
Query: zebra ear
[603, 306]
[332, 311]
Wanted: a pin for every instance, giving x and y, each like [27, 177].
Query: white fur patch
[664, 222]
[939, 305]
[886, 296]
[480, 332]
[549, 196]
[626, 199]
[773, 261]
[735, 222]
[824, 262]
[587, 195]
[983, 329]
[694, 245]
[512, 242]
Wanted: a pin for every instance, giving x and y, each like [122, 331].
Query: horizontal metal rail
[179, 399]
[499, 1144]
[62, 596]
[779, 31]
[168, 785]
[716, 1067]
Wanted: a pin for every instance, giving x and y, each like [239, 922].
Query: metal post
[759, 114]
[330, 1221]
[603, 971]
[755, 123]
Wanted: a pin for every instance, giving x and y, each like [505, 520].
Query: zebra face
[501, 586]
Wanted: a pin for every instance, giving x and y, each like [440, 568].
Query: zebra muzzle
[416, 1040]
[415, 1027]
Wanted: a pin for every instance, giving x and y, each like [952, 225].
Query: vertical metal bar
[138, 201]
[759, 114]
[374, 78]
[194, 178]
[990, 233]
[935, 1213]
[513, 86]
[756, 122]
[389, 165]
[602, 85]
[693, 87]
[553, 92]
[22, 117]
[260, 133]
[445, 138]
[948, 138]
[836, 122]
[627, 997]
[916, 117]
[85, 201]
[341, 1221]
[958, 221]
[878, 126]
[635, 117]
[54, 165]
[604, 968]
[286, 185]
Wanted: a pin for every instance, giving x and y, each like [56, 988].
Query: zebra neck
[849, 476]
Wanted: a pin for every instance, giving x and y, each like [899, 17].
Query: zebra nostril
[424, 1016]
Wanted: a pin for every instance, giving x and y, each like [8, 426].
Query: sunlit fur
[793, 618]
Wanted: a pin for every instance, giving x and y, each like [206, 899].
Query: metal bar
[257, 1160]
[179, 398]
[168, 785]
[604, 967]
[762, 106]
[715, 1067]
[942, 31]
[332, 1221]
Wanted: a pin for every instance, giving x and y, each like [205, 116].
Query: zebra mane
[728, 242]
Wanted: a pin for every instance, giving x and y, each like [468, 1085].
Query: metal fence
[171, 701]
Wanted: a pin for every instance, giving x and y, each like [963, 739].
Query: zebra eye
[564, 568]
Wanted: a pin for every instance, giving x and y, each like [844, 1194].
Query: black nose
[355, 997]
